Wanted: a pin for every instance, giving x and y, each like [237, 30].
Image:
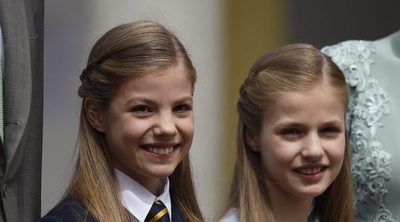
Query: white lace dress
[372, 72]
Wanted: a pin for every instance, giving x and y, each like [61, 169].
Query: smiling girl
[136, 129]
[292, 158]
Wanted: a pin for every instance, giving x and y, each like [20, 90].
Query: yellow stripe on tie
[159, 215]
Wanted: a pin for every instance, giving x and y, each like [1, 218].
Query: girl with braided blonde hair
[136, 128]
[292, 154]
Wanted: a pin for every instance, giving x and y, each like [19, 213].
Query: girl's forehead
[316, 96]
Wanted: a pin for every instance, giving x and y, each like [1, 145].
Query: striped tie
[157, 213]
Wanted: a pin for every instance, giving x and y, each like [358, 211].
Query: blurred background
[223, 38]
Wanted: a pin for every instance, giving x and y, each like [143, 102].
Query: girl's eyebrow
[286, 123]
[335, 122]
[185, 99]
[140, 99]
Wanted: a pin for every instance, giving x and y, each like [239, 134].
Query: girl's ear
[251, 140]
[93, 114]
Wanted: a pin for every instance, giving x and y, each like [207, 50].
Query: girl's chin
[313, 192]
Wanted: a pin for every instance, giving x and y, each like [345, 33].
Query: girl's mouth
[160, 149]
[310, 170]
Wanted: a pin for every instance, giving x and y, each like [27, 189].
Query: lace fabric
[369, 103]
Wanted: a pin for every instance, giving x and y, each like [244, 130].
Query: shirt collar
[137, 199]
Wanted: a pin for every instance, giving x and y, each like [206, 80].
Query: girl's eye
[291, 133]
[330, 131]
[182, 108]
[141, 109]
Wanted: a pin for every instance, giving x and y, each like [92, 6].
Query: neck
[395, 43]
[289, 208]
[155, 187]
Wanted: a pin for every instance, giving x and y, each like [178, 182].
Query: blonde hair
[126, 51]
[291, 68]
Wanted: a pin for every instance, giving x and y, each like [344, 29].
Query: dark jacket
[71, 210]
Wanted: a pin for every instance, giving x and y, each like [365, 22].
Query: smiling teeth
[161, 151]
[310, 171]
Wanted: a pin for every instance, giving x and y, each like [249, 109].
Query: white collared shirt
[231, 216]
[137, 199]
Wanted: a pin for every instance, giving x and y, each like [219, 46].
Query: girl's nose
[313, 149]
[166, 125]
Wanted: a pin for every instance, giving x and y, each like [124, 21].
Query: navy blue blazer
[71, 210]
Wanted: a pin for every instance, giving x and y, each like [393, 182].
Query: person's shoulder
[231, 216]
[69, 209]
[349, 53]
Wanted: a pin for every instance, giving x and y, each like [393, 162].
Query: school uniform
[136, 199]
[69, 209]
